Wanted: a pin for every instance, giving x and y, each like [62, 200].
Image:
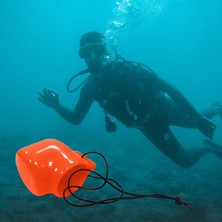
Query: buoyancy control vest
[117, 78]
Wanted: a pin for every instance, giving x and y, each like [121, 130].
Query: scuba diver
[137, 97]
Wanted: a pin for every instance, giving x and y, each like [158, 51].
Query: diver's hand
[206, 126]
[50, 98]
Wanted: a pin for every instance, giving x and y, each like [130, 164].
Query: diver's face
[94, 55]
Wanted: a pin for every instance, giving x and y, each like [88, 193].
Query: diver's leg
[162, 137]
[217, 149]
[177, 117]
[214, 110]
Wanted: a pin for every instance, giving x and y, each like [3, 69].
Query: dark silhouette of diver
[137, 97]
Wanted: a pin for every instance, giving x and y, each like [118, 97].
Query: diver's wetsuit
[134, 96]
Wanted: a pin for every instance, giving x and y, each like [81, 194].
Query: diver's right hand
[206, 126]
[50, 98]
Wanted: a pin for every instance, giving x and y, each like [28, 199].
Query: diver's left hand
[206, 126]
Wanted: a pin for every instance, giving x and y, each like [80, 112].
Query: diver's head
[93, 50]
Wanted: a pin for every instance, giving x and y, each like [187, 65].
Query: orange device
[46, 166]
[51, 167]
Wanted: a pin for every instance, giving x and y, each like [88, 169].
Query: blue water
[39, 40]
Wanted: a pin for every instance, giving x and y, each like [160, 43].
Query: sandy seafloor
[139, 169]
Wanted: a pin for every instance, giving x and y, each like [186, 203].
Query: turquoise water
[39, 40]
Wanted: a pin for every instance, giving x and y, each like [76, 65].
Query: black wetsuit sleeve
[179, 98]
[81, 109]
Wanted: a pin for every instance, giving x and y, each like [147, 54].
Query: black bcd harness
[109, 123]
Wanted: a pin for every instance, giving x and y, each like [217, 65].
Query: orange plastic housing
[46, 166]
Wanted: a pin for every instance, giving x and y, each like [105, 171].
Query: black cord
[75, 76]
[114, 184]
